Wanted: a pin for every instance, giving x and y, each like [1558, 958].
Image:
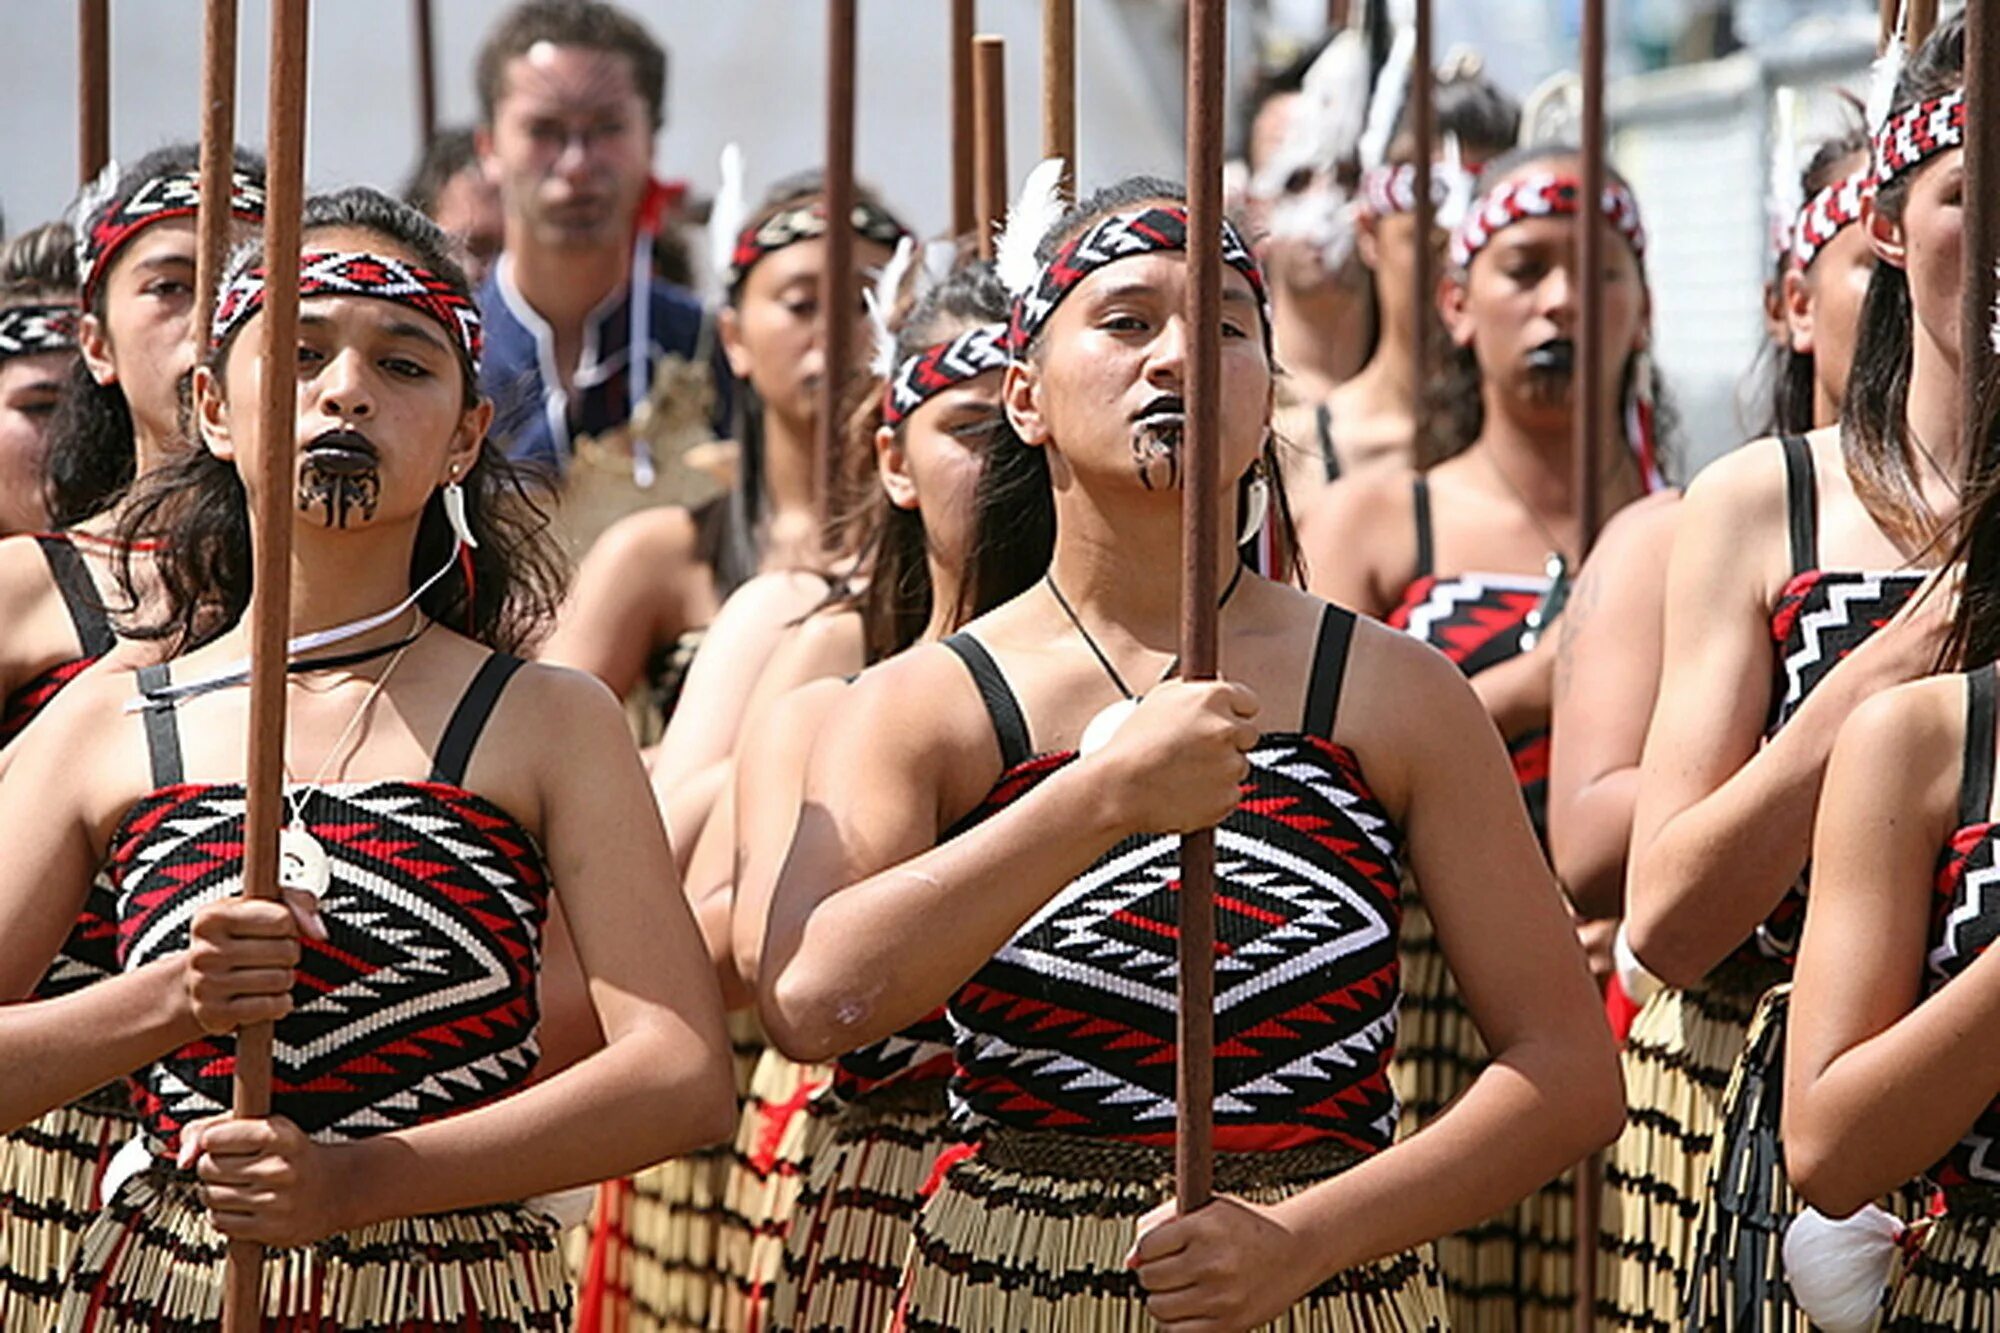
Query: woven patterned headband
[382, 277]
[1389, 190]
[1917, 134]
[1541, 194]
[28, 329]
[1110, 239]
[1827, 213]
[937, 368]
[163, 197]
[871, 223]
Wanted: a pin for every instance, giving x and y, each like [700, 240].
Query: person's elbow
[1831, 1176]
[1595, 1088]
[810, 1018]
[1666, 937]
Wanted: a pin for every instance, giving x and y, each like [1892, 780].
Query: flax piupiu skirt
[49, 1176]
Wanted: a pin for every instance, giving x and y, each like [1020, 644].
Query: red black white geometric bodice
[1819, 618]
[1070, 1026]
[422, 1002]
[90, 952]
[1965, 918]
[1478, 621]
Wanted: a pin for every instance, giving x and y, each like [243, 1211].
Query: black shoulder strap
[1975, 788]
[1010, 728]
[1323, 427]
[1801, 503]
[1329, 668]
[79, 594]
[1420, 497]
[163, 733]
[475, 706]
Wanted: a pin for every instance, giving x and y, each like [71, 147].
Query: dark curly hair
[196, 511]
[90, 459]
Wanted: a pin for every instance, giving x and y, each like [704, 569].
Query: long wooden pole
[837, 300]
[1589, 383]
[1059, 87]
[1982, 177]
[963, 215]
[989, 138]
[1423, 121]
[426, 58]
[1923, 18]
[1201, 486]
[271, 558]
[93, 87]
[218, 158]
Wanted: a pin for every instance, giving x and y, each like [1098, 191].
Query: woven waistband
[1747, 978]
[1072, 1157]
[910, 1094]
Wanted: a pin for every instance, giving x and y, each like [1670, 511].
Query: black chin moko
[340, 484]
[1156, 453]
[1557, 356]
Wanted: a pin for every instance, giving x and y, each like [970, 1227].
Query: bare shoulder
[1646, 525]
[827, 643]
[84, 754]
[644, 539]
[1363, 522]
[921, 709]
[1405, 705]
[1744, 485]
[785, 595]
[26, 586]
[1912, 729]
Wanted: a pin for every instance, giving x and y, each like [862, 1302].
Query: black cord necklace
[173, 695]
[1108, 719]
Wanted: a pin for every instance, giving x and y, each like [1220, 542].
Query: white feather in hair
[1385, 108]
[726, 214]
[1787, 190]
[1030, 218]
[1332, 116]
[881, 301]
[1459, 186]
[1887, 73]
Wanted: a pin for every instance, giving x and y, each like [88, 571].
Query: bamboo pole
[218, 160]
[963, 216]
[1589, 383]
[426, 59]
[271, 554]
[1194, 1069]
[989, 138]
[1059, 87]
[1982, 175]
[1423, 121]
[837, 300]
[93, 92]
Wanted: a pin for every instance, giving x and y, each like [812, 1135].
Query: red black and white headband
[1121, 236]
[1828, 213]
[1918, 133]
[871, 223]
[102, 236]
[383, 277]
[28, 329]
[1391, 189]
[936, 368]
[1541, 194]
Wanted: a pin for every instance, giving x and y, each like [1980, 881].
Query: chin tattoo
[1156, 456]
[341, 495]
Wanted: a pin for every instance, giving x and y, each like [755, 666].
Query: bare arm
[711, 882]
[770, 783]
[1359, 540]
[1519, 692]
[1607, 677]
[627, 599]
[1723, 821]
[874, 924]
[1880, 1082]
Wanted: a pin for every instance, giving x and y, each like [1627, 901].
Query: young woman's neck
[564, 286]
[150, 448]
[1319, 335]
[789, 463]
[342, 577]
[1541, 461]
[947, 587]
[1119, 563]
[1931, 414]
[1391, 373]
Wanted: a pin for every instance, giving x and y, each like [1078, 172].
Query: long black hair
[1010, 480]
[1457, 411]
[502, 592]
[1874, 421]
[90, 459]
[1795, 374]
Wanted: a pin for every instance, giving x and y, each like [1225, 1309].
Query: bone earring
[454, 513]
[1256, 503]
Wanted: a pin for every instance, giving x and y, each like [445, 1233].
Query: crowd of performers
[697, 916]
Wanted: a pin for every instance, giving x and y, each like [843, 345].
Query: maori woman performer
[1368, 418]
[117, 418]
[427, 820]
[1891, 1072]
[1047, 922]
[1474, 555]
[1607, 682]
[1789, 602]
[37, 350]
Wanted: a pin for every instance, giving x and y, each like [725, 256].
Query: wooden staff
[989, 138]
[218, 160]
[1923, 18]
[836, 283]
[963, 215]
[1589, 443]
[1201, 486]
[426, 58]
[271, 558]
[1337, 12]
[93, 91]
[1423, 122]
[1059, 87]
[1982, 176]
